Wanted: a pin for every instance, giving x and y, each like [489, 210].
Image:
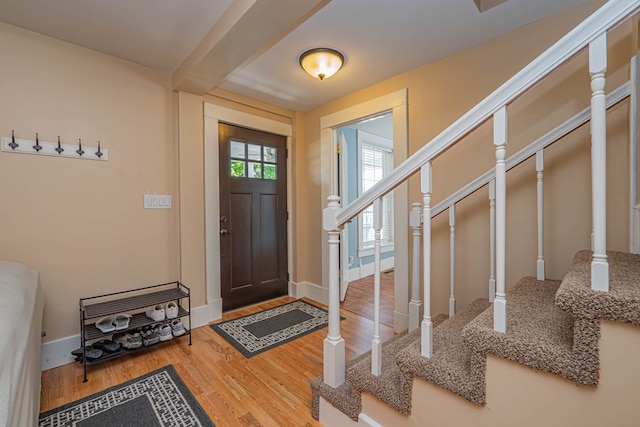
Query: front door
[253, 216]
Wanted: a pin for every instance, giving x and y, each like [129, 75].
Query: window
[252, 161]
[375, 161]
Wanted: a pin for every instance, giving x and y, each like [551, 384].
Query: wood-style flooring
[359, 298]
[270, 389]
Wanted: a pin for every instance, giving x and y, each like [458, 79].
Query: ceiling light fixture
[321, 62]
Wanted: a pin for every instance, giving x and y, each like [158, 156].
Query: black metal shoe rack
[134, 302]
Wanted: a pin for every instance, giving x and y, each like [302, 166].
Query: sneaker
[171, 310]
[150, 337]
[129, 340]
[156, 312]
[164, 332]
[177, 328]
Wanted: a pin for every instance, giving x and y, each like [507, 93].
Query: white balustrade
[427, 325]
[500, 141]
[540, 171]
[415, 305]
[334, 347]
[492, 240]
[376, 343]
[452, 259]
[597, 69]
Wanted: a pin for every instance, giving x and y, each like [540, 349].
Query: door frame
[213, 114]
[396, 103]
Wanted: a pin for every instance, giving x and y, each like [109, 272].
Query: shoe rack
[133, 302]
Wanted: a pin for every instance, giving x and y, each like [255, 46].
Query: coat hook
[80, 151]
[37, 147]
[99, 153]
[58, 148]
[13, 144]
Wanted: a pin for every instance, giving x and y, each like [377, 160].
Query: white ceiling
[379, 38]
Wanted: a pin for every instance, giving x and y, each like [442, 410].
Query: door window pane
[237, 169]
[237, 150]
[254, 152]
[270, 154]
[255, 170]
[270, 172]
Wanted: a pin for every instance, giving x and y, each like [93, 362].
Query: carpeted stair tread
[539, 334]
[621, 303]
[388, 386]
[347, 398]
[452, 366]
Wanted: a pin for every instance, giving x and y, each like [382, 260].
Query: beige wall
[81, 223]
[441, 92]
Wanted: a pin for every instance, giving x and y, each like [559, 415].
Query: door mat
[159, 398]
[267, 329]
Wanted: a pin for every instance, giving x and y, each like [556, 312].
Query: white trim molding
[213, 114]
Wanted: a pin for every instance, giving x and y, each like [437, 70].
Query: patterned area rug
[159, 398]
[262, 331]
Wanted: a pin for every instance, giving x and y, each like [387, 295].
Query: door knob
[224, 232]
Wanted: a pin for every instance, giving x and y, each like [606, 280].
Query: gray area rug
[157, 399]
[266, 329]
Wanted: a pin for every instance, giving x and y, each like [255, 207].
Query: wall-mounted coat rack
[73, 151]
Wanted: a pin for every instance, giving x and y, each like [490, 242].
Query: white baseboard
[368, 421]
[368, 269]
[58, 352]
[400, 321]
[309, 290]
[215, 309]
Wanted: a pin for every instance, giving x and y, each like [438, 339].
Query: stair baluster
[376, 343]
[452, 258]
[597, 69]
[492, 240]
[415, 305]
[540, 274]
[427, 326]
[500, 141]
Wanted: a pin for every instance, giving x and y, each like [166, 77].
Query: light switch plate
[157, 201]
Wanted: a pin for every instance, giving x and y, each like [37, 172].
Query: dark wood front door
[253, 216]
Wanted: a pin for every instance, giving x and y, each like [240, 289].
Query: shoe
[177, 328]
[108, 346]
[150, 337]
[156, 312]
[171, 310]
[92, 353]
[164, 332]
[129, 340]
[106, 325]
[121, 321]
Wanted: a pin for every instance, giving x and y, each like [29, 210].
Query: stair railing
[536, 149]
[592, 32]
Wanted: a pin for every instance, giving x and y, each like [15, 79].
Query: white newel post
[539, 173]
[597, 69]
[500, 141]
[376, 343]
[492, 240]
[415, 305]
[334, 349]
[427, 326]
[452, 259]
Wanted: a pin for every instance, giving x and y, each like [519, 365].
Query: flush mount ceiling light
[321, 62]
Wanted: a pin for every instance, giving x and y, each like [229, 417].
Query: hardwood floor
[359, 298]
[270, 389]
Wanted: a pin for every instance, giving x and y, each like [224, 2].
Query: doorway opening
[365, 157]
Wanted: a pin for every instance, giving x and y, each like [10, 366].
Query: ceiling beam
[246, 29]
[484, 5]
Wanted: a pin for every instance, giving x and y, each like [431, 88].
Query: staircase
[512, 358]
[553, 326]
